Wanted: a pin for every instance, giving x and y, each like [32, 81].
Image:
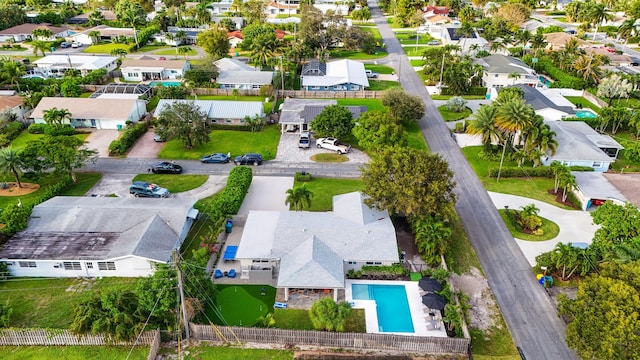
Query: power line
[145, 324]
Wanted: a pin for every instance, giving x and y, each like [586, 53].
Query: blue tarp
[230, 253]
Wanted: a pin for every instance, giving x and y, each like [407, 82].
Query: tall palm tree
[538, 41]
[524, 37]
[513, 116]
[628, 29]
[10, 162]
[589, 67]
[298, 197]
[12, 72]
[184, 50]
[39, 46]
[56, 117]
[559, 170]
[202, 12]
[263, 48]
[181, 36]
[515, 76]
[131, 18]
[485, 125]
[465, 31]
[598, 15]
[95, 36]
[431, 236]
[568, 183]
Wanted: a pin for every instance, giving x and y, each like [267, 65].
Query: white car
[76, 45]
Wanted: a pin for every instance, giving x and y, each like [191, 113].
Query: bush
[456, 104]
[562, 79]
[127, 138]
[473, 90]
[230, 200]
[391, 272]
[12, 130]
[303, 176]
[65, 130]
[539, 171]
[229, 127]
[593, 122]
[37, 128]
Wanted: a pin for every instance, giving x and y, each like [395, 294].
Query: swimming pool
[585, 114]
[392, 305]
[164, 83]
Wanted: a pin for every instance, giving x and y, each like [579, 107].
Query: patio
[304, 298]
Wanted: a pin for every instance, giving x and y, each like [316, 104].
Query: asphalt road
[527, 309]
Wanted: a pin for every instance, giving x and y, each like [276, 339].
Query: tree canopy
[327, 315]
[214, 42]
[184, 122]
[62, 154]
[335, 121]
[403, 106]
[410, 182]
[376, 130]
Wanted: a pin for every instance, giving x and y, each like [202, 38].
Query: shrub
[37, 128]
[229, 127]
[539, 171]
[65, 130]
[562, 79]
[127, 138]
[592, 122]
[460, 128]
[303, 176]
[456, 104]
[230, 200]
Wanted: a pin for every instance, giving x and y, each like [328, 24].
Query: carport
[594, 189]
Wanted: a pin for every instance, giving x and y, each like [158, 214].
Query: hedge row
[46, 129]
[230, 200]
[10, 132]
[229, 127]
[539, 171]
[474, 90]
[562, 79]
[593, 122]
[15, 217]
[127, 138]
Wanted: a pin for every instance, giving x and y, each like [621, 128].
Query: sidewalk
[575, 225]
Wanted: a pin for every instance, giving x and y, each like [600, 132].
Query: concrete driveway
[145, 147]
[266, 193]
[100, 140]
[288, 151]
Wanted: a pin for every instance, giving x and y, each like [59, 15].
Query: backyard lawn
[85, 181]
[24, 137]
[380, 69]
[242, 305]
[448, 115]
[415, 139]
[174, 51]
[264, 142]
[532, 187]
[105, 48]
[382, 85]
[579, 100]
[325, 188]
[174, 183]
[409, 38]
[46, 302]
[74, 352]
[357, 55]
[371, 104]
[299, 319]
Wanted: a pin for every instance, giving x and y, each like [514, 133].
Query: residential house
[64, 237]
[274, 9]
[10, 102]
[143, 70]
[431, 10]
[105, 32]
[532, 25]
[238, 20]
[84, 18]
[23, 32]
[558, 40]
[580, 145]
[315, 250]
[93, 113]
[190, 35]
[220, 111]
[123, 91]
[338, 7]
[450, 36]
[340, 75]
[235, 74]
[297, 114]
[544, 106]
[594, 190]
[502, 70]
[235, 38]
[222, 7]
[437, 20]
[56, 65]
[614, 58]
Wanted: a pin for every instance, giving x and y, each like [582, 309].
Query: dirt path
[483, 306]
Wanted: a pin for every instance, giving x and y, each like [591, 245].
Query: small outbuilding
[594, 189]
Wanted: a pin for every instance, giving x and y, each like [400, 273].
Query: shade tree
[185, 122]
[333, 121]
[376, 130]
[403, 106]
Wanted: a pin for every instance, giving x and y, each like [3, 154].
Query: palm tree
[202, 12]
[564, 256]
[131, 18]
[120, 52]
[568, 183]
[558, 169]
[55, 117]
[524, 37]
[513, 116]
[12, 72]
[39, 46]
[95, 36]
[170, 38]
[465, 31]
[515, 76]
[538, 41]
[184, 50]
[42, 33]
[263, 48]
[181, 36]
[10, 162]
[589, 67]
[299, 196]
[485, 125]
[431, 236]
[598, 15]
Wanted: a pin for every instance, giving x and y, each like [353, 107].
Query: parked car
[145, 189]
[76, 44]
[65, 45]
[247, 159]
[333, 144]
[165, 167]
[217, 158]
[158, 138]
[162, 58]
[305, 140]
[371, 74]
[433, 42]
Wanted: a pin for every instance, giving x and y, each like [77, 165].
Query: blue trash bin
[228, 226]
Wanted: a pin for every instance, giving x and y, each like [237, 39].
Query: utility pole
[282, 73]
[441, 71]
[176, 263]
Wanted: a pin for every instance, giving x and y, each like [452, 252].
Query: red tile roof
[437, 10]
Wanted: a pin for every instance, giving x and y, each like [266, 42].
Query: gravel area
[483, 306]
[288, 151]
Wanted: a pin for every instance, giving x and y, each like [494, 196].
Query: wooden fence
[27, 337]
[414, 344]
[155, 345]
[594, 99]
[330, 94]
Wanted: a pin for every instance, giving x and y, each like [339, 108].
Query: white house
[23, 32]
[338, 7]
[10, 102]
[274, 8]
[543, 104]
[501, 71]
[314, 250]
[450, 36]
[93, 113]
[98, 236]
[297, 114]
[143, 70]
[56, 65]
[235, 74]
[340, 75]
[580, 145]
[221, 111]
[106, 34]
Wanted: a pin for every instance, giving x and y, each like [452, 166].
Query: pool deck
[420, 322]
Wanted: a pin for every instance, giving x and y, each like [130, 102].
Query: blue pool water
[392, 305]
[585, 114]
[164, 83]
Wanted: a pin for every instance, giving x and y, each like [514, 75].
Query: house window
[377, 263]
[228, 121]
[72, 265]
[106, 265]
[89, 265]
[369, 262]
[352, 262]
[29, 264]
[596, 164]
[496, 75]
[256, 86]
[314, 87]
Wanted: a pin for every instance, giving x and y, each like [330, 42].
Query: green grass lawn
[174, 183]
[105, 48]
[74, 352]
[86, 94]
[46, 302]
[356, 55]
[325, 188]
[460, 254]
[417, 62]
[173, 51]
[264, 142]
[409, 38]
[152, 47]
[466, 97]
[579, 100]
[371, 104]
[267, 106]
[329, 158]
[380, 69]
[205, 352]
[24, 137]
[415, 139]
[381, 85]
[153, 102]
[85, 181]
[549, 228]
[299, 319]
[448, 115]
[242, 305]
[493, 344]
[372, 30]
[534, 188]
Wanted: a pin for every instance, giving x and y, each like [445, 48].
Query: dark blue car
[217, 158]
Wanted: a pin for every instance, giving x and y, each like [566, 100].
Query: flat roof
[86, 108]
[596, 186]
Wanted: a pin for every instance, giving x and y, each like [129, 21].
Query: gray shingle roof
[577, 141]
[501, 64]
[538, 101]
[240, 77]
[595, 186]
